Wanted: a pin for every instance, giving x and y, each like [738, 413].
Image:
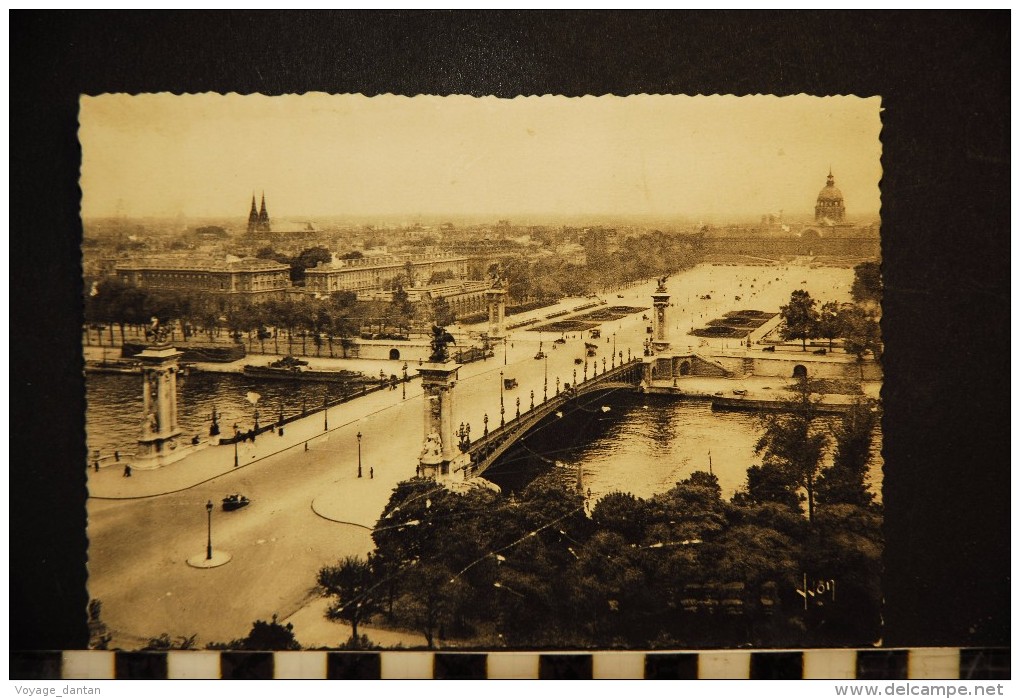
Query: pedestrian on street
[97, 467]
[116, 456]
[371, 472]
[127, 470]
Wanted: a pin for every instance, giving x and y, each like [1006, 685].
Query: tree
[792, 443]
[401, 306]
[307, 259]
[442, 314]
[431, 598]
[861, 334]
[830, 321]
[352, 585]
[867, 285]
[768, 483]
[621, 513]
[441, 276]
[845, 481]
[800, 318]
[264, 635]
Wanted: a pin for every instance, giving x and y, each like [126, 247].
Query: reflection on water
[642, 445]
[645, 444]
[114, 407]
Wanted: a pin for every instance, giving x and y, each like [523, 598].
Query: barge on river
[291, 369]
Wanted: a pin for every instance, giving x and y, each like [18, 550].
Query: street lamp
[504, 351]
[502, 421]
[208, 541]
[359, 454]
[235, 451]
[557, 385]
[404, 396]
[325, 412]
[532, 399]
[518, 407]
[485, 425]
[614, 351]
[545, 380]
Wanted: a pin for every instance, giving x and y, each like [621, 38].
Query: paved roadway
[138, 548]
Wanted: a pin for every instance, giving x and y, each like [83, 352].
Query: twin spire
[258, 220]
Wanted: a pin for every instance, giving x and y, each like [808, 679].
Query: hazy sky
[719, 158]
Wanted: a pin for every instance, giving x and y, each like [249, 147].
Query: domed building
[829, 207]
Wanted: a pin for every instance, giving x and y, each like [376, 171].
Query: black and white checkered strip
[904, 664]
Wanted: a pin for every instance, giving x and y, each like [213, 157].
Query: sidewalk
[208, 461]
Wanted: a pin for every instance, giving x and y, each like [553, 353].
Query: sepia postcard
[471, 373]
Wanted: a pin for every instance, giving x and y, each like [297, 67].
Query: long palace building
[369, 274]
[246, 279]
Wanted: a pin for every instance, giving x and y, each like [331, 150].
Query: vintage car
[235, 502]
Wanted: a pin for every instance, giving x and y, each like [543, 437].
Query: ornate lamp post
[404, 392]
[485, 425]
[502, 421]
[208, 541]
[325, 412]
[585, 369]
[235, 451]
[557, 386]
[603, 365]
[614, 352]
[359, 454]
[504, 351]
[532, 399]
[575, 379]
[545, 380]
[518, 408]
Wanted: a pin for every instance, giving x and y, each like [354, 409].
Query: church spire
[253, 216]
[263, 217]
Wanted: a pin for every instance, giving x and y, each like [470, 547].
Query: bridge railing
[512, 426]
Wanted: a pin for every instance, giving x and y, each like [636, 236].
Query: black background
[944, 80]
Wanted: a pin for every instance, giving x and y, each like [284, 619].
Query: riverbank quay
[754, 393]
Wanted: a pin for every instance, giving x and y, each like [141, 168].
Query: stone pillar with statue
[158, 442]
[495, 296]
[440, 456]
[660, 325]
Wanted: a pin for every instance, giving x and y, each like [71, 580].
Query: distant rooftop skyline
[718, 158]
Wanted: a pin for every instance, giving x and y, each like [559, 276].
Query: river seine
[634, 443]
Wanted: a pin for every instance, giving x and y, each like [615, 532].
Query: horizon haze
[641, 158]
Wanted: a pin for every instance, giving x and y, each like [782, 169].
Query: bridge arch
[394, 353]
[800, 371]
